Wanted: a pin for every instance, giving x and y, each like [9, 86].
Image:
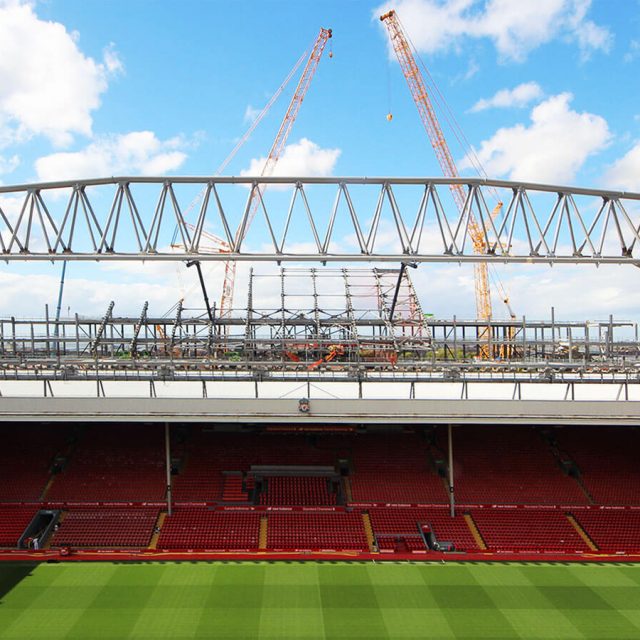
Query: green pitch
[312, 600]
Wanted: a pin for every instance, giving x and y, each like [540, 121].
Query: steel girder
[316, 220]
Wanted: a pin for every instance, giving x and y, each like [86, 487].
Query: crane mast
[430, 122]
[226, 301]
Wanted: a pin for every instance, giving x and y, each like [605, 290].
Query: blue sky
[544, 91]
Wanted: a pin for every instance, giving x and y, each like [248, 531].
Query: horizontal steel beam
[349, 180]
[330, 411]
[314, 257]
[326, 220]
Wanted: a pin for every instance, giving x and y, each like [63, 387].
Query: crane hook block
[389, 117]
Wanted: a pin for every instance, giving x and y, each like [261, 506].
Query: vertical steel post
[167, 448]
[452, 498]
[553, 331]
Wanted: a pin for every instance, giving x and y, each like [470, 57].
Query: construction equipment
[223, 246]
[226, 301]
[429, 119]
[333, 352]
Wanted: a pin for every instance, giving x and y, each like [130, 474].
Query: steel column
[452, 497]
[167, 450]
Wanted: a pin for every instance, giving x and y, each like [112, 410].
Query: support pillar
[167, 448]
[452, 498]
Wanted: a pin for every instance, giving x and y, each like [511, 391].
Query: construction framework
[318, 220]
[317, 324]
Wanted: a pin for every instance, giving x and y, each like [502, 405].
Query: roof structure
[318, 332]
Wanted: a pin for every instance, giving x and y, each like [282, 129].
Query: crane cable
[462, 139]
[224, 164]
[244, 138]
[449, 115]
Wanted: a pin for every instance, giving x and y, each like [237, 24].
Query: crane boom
[226, 301]
[430, 122]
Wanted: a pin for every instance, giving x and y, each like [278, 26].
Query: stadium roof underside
[322, 412]
[317, 220]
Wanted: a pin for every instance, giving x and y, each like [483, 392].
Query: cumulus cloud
[576, 292]
[138, 152]
[624, 173]
[304, 158]
[514, 27]
[47, 85]
[519, 96]
[552, 148]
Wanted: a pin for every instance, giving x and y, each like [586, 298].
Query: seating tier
[200, 528]
[316, 531]
[106, 527]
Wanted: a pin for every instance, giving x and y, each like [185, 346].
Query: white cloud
[7, 165]
[251, 113]
[47, 85]
[138, 152]
[515, 27]
[304, 158]
[551, 149]
[624, 173]
[89, 288]
[112, 61]
[519, 96]
[633, 52]
[576, 292]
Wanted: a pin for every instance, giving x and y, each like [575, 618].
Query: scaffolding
[314, 324]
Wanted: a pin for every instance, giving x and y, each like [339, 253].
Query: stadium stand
[207, 455]
[507, 465]
[607, 460]
[406, 521]
[233, 490]
[316, 531]
[394, 468]
[369, 488]
[287, 490]
[106, 527]
[13, 521]
[518, 529]
[114, 463]
[199, 528]
[26, 457]
[611, 530]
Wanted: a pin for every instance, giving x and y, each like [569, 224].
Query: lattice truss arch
[120, 218]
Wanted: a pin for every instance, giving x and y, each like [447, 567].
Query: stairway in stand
[232, 489]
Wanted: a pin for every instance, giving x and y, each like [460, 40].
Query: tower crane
[226, 301]
[430, 122]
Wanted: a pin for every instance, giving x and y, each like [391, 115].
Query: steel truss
[326, 325]
[341, 219]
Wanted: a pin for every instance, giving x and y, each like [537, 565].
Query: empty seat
[106, 527]
[546, 530]
[316, 531]
[201, 528]
[612, 530]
